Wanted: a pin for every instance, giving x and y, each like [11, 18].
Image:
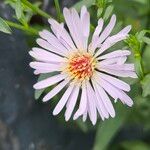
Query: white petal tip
[38, 41]
[130, 104]
[113, 115]
[45, 99]
[35, 86]
[55, 112]
[66, 118]
[113, 17]
[31, 64]
[30, 53]
[50, 20]
[65, 10]
[93, 123]
[75, 117]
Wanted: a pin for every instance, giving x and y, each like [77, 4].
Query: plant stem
[58, 10]
[35, 9]
[20, 27]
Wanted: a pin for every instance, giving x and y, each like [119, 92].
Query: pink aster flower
[83, 70]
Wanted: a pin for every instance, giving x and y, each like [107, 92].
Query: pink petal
[49, 81]
[44, 44]
[116, 93]
[123, 67]
[45, 66]
[72, 102]
[83, 103]
[63, 100]
[45, 56]
[61, 33]
[120, 73]
[110, 41]
[95, 37]
[85, 115]
[53, 40]
[73, 22]
[108, 29]
[55, 90]
[125, 30]
[116, 60]
[100, 105]
[117, 53]
[107, 103]
[91, 104]
[114, 81]
[85, 22]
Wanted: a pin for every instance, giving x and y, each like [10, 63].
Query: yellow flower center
[81, 66]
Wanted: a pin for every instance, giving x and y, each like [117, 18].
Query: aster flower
[84, 69]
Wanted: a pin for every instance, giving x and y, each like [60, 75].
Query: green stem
[20, 27]
[58, 10]
[138, 64]
[35, 9]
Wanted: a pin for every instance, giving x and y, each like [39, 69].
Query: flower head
[83, 70]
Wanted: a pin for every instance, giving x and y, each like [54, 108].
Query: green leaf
[82, 125]
[135, 46]
[108, 12]
[141, 1]
[99, 12]
[4, 27]
[38, 93]
[141, 35]
[146, 40]
[57, 7]
[108, 128]
[146, 85]
[135, 145]
[138, 66]
[87, 3]
[18, 9]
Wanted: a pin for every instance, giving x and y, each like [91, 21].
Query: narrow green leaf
[135, 145]
[135, 46]
[99, 12]
[4, 27]
[141, 34]
[146, 85]
[146, 40]
[141, 1]
[18, 9]
[138, 66]
[108, 128]
[57, 7]
[87, 3]
[108, 12]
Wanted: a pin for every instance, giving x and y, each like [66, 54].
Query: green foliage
[83, 126]
[135, 46]
[23, 13]
[108, 12]
[134, 145]
[104, 8]
[108, 128]
[4, 27]
[18, 9]
[146, 85]
[87, 3]
[59, 15]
